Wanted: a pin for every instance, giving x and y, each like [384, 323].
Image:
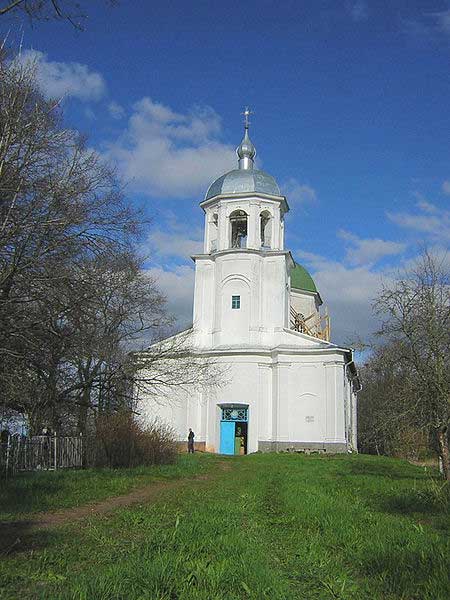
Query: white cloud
[446, 187]
[174, 244]
[178, 286]
[359, 11]
[65, 79]
[368, 251]
[89, 113]
[416, 28]
[297, 192]
[442, 20]
[348, 292]
[165, 153]
[429, 220]
[116, 110]
[430, 24]
[427, 207]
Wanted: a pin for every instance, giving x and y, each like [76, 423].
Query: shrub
[121, 441]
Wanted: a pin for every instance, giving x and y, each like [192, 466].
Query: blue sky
[351, 116]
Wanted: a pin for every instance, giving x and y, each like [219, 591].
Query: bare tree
[61, 208]
[173, 366]
[386, 423]
[416, 318]
[74, 299]
[47, 10]
[58, 201]
[120, 308]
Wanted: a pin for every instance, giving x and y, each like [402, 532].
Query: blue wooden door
[227, 437]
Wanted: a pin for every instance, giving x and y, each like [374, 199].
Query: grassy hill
[264, 526]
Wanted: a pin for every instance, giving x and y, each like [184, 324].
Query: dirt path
[17, 535]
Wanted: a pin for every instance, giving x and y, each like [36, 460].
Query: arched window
[266, 229]
[238, 222]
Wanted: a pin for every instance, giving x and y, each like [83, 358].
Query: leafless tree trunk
[416, 313]
[74, 299]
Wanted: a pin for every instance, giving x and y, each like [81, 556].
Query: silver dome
[246, 147]
[241, 181]
[245, 178]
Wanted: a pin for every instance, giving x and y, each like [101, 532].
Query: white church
[258, 314]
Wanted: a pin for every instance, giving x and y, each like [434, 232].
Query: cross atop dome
[247, 112]
[246, 151]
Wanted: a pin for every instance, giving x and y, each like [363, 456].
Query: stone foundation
[198, 446]
[306, 447]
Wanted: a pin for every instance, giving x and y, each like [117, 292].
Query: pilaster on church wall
[274, 407]
[253, 223]
[340, 415]
[222, 242]
[280, 414]
[207, 295]
[268, 279]
[274, 292]
[334, 401]
[265, 404]
[276, 237]
[281, 230]
[207, 235]
[203, 295]
[255, 292]
[212, 419]
[261, 304]
[287, 299]
[196, 309]
[217, 296]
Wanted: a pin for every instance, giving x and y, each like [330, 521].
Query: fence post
[55, 453]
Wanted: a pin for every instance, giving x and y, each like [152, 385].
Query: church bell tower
[285, 386]
[242, 277]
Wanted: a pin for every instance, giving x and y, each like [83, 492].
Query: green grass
[282, 527]
[29, 493]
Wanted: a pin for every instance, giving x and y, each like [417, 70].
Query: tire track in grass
[295, 546]
[14, 535]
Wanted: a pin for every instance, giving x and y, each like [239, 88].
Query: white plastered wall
[292, 398]
[259, 279]
[179, 408]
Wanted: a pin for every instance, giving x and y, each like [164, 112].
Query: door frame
[228, 418]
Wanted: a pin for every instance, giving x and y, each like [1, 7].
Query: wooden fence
[40, 452]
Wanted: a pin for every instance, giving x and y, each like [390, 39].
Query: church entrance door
[240, 438]
[227, 437]
[233, 429]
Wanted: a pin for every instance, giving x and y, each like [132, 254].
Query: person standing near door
[191, 436]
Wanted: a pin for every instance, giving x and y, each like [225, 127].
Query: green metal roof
[302, 280]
